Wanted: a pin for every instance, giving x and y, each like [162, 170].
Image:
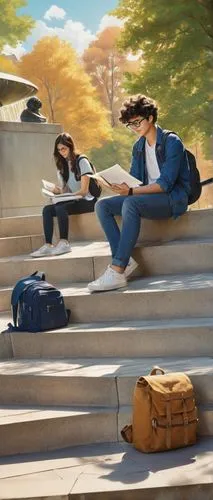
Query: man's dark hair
[138, 106]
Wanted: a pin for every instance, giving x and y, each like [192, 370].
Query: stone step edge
[10, 347]
[103, 327]
[132, 285]
[140, 245]
[39, 413]
[21, 237]
[76, 368]
[61, 412]
[208, 240]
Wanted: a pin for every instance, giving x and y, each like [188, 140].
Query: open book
[115, 175]
[56, 198]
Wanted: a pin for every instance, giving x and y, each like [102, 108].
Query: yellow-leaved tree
[106, 65]
[7, 65]
[66, 91]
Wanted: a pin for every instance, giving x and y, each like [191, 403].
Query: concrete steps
[16, 245]
[106, 382]
[89, 259]
[34, 429]
[20, 226]
[112, 471]
[193, 224]
[185, 337]
[162, 297]
[74, 386]
[49, 404]
[27, 429]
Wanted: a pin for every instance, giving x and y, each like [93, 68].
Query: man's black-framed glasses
[135, 123]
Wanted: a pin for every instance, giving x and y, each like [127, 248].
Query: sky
[76, 21]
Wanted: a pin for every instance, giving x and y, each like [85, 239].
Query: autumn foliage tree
[66, 91]
[7, 65]
[106, 66]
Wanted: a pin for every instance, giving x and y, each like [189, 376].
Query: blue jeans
[131, 208]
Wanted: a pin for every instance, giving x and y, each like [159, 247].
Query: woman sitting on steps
[66, 163]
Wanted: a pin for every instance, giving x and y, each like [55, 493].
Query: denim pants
[62, 211]
[132, 209]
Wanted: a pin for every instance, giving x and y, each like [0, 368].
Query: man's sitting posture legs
[164, 192]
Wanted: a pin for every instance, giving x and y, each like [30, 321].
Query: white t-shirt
[72, 183]
[152, 167]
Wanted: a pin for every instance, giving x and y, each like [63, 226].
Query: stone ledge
[35, 128]
[192, 225]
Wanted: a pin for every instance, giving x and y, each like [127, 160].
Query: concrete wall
[26, 156]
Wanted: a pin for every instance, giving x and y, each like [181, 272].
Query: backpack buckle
[154, 423]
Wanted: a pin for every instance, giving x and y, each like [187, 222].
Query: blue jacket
[174, 170]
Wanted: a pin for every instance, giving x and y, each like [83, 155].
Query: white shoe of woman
[45, 250]
[61, 247]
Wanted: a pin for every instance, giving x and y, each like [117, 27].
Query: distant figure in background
[31, 112]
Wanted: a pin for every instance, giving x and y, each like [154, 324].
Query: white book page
[116, 175]
[70, 197]
[47, 192]
[48, 185]
[60, 197]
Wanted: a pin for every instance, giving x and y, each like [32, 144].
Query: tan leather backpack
[164, 413]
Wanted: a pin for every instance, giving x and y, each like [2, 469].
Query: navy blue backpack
[37, 305]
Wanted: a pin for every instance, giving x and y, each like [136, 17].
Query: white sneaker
[45, 250]
[61, 247]
[110, 280]
[131, 266]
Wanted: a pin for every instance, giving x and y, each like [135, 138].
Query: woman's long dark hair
[62, 163]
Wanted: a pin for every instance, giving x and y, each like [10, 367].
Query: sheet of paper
[56, 198]
[116, 175]
[60, 197]
[48, 185]
[47, 192]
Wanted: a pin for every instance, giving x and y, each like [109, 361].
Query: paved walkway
[115, 471]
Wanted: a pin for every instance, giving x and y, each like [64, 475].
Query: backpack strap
[40, 276]
[21, 286]
[127, 433]
[84, 157]
[94, 187]
[18, 290]
[207, 181]
[162, 147]
[155, 369]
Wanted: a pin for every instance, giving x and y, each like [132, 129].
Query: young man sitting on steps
[163, 193]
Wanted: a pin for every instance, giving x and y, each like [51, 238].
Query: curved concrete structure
[13, 88]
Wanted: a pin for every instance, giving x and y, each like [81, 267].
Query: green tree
[117, 150]
[13, 28]
[176, 39]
